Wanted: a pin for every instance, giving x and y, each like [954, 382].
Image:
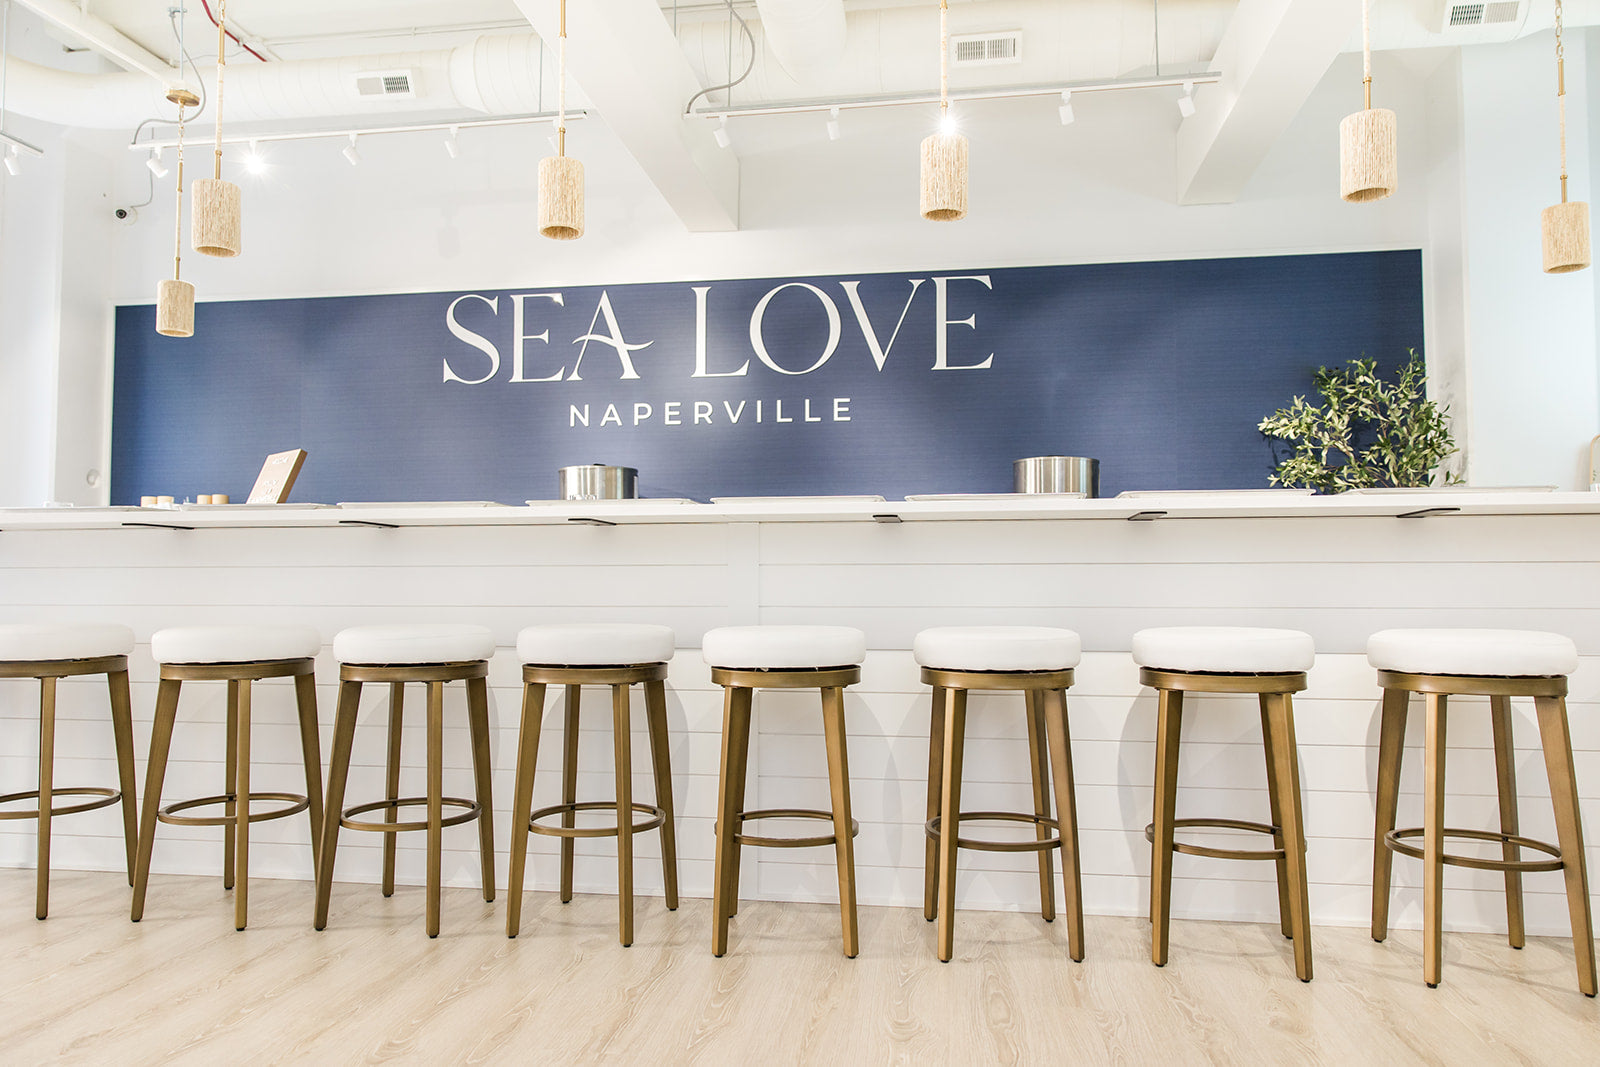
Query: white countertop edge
[1157, 508]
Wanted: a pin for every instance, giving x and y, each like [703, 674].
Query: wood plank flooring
[88, 986]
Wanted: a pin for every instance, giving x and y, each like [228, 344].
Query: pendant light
[216, 227]
[561, 177]
[1565, 225]
[944, 154]
[175, 297]
[1369, 167]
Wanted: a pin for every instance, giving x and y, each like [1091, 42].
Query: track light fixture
[158, 168]
[350, 153]
[255, 162]
[721, 133]
[1186, 101]
[833, 124]
[13, 167]
[1065, 110]
[452, 143]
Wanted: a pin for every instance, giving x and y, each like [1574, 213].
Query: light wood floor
[87, 986]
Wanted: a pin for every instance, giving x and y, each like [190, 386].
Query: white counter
[1335, 567]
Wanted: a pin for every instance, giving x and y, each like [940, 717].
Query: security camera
[126, 215]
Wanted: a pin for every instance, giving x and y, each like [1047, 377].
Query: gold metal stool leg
[844, 841]
[622, 731]
[1391, 751]
[955, 735]
[1557, 741]
[435, 802]
[344, 733]
[741, 790]
[47, 761]
[305, 693]
[1280, 710]
[1053, 705]
[1276, 809]
[230, 786]
[1433, 843]
[930, 862]
[1505, 765]
[1169, 723]
[391, 789]
[122, 732]
[482, 773]
[1039, 766]
[522, 804]
[569, 785]
[655, 696]
[155, 770]
[241, 891]
[735, 716]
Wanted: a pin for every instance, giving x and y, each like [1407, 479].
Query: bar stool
[49, 652]
[1230, 659]
[575, 655]
[1498, 664]
[742, 660]
[1039, 661]
[238, 655]
[399, 653]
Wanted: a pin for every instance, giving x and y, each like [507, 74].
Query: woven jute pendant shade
[560, 198]
[214, 229]
[1369, 167]
[944, 177]
[175, 308]
[1566, 237]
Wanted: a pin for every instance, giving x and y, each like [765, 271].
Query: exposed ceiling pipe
[806, 36]
[495, 75]
[103, 38]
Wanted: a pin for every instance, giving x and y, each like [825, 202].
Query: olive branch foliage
[1369, 432]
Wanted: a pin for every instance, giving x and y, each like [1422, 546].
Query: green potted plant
[1369, 432]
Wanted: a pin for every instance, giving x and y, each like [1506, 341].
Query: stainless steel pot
[1057, 474]
[597, 481]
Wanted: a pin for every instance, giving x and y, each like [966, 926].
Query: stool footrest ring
[1221, 853]
[470, 812]
[296, 803]
[934, 824]
[656, 819]
[1393, 841]
[790, 842]
[104, 798]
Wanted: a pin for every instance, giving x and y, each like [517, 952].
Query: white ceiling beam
[103, 38]
[1271, 57]
[634, 75]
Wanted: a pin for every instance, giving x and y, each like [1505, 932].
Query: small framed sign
[277, 477]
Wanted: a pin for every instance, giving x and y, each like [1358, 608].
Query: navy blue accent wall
[1159, 370]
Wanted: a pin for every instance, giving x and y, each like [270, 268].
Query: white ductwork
[896, 50]
[103, 37]
[492, 75]
[806, 36]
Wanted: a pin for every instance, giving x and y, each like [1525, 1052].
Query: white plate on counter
[608, 503]
[982, 497]
[1210, 494]
[1413, 490]
[797, 500]
[353, 504]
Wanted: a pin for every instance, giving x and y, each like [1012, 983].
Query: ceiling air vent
[385, 84]
[1461, 15]
[986, 49]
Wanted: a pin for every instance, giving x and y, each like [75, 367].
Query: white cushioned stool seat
[598, 644]
[997, 648]
[784, 647]
[1224, 650]
[233, 644]
[409, 643]
[1494, 653]
[27, 642]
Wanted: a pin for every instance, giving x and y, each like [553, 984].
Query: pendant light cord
[561, 85]
[1366, 49]
[944, 59]
[1561, 98]
[177, 218]
[222, 63]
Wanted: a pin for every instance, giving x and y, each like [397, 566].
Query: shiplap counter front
[1338, 568]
